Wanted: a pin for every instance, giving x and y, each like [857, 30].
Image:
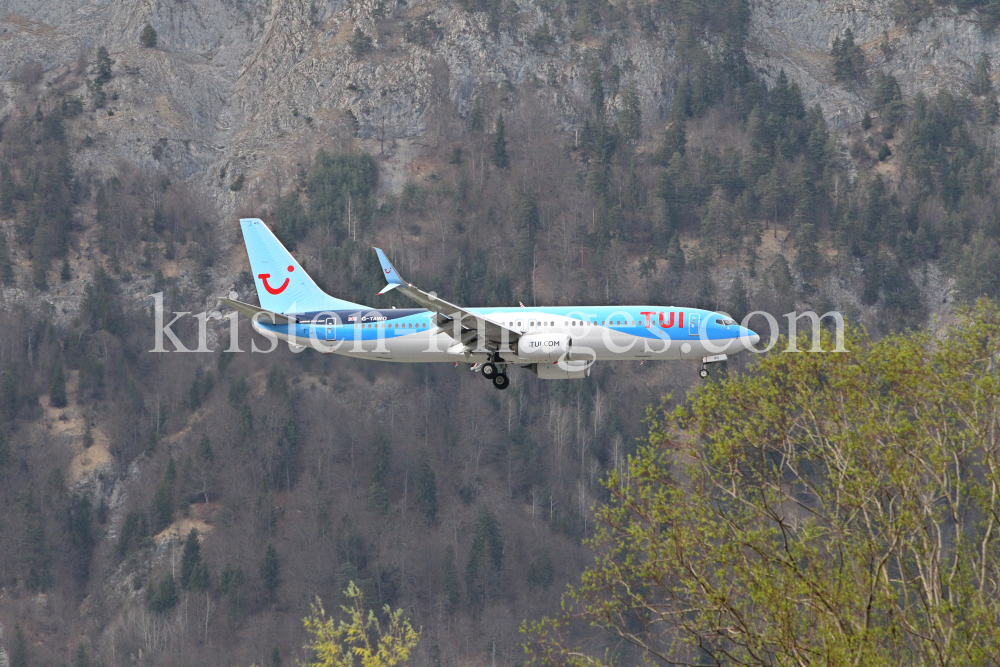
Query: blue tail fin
[282, 285]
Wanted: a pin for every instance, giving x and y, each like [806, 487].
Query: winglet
[391, 275]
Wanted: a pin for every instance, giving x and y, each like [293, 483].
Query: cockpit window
[725, 321]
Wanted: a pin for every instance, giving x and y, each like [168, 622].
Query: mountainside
[723, 154]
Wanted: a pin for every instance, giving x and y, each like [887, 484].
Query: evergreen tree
[848, 58]
[674, 140]
[476, 124]
[148, 37]
[487, 550]
[981, 84]
[808, 259]
[631, 115]
[6, 263]
[270, 571]
[500, 157]
[81, 538]
[991, 113]
[426, 489]
[80, 658]
[786, 98]
[739, 299]
[675, 256]
[191, 560]
[541, 573]
[276, 383]
[161, 599]
[360, 43]
[716, 223]
[782, 286]
[597, 91]
[18, 656]
[65, 274]
[8, 193]
[162, 512]
[380, 464]
[103, 65]
[57, 393]
[231, 584]
[449, 577]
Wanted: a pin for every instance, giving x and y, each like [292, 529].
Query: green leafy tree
[500, 158]
[360, 640]
[835, 509]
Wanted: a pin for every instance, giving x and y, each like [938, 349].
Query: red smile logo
[388, 270]
[271, 290]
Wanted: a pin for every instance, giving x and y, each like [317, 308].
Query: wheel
[500, 381]
[488, 370]
[703, 373]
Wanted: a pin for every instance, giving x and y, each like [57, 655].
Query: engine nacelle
[544, 347]
[563, 370]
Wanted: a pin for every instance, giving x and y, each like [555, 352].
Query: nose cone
[749, 338]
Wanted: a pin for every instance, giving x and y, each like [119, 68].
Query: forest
[189, 508]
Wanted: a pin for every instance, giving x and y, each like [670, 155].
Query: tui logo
[271, 290]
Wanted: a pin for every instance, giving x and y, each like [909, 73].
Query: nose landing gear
[705, 361]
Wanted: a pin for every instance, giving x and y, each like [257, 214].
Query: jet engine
[565, 370]
[544, 347]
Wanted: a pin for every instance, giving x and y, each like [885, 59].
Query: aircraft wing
[463, 322]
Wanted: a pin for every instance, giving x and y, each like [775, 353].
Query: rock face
[248, 87]
[797, 35]
[252, 87]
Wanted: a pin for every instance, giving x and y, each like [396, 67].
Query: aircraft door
[331, 330]
[693, 322]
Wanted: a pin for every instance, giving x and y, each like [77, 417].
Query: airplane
[555, 343]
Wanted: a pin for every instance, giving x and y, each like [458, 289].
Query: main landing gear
[497, 374]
